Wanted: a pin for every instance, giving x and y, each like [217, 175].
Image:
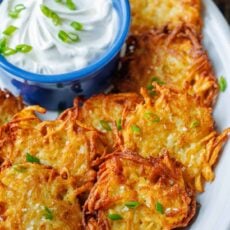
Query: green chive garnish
[71, 5]
[68, 37]
[149, 87]
[10, 30]
[3, 45]
[9, 52]
[76, 25]
[195, 124]
[51, 14]
[23, 48]
[32, 159]
[119, 124]
[132, 204]
[19, 168]
[135, 129]
[48, 214]
[115, 217]
[105, 125]
[159, 207]
[222, 84]
[152, 117]
[17, 10]
[158, 81]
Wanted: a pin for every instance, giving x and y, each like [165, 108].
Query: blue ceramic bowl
[56, 92]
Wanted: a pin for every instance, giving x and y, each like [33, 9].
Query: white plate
[215, 201]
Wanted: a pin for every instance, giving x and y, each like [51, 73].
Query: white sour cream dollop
[50, 55]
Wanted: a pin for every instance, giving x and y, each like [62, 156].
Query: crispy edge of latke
[9, 105]
[159, 163]
[124, 82]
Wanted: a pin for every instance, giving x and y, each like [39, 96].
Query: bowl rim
[85, 72]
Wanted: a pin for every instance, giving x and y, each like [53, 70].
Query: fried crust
[176, 121]
[176, 59]
[33, 196]
[125, 177]
[62, 144]
[171, 120]
[9, 106]
[170, 14]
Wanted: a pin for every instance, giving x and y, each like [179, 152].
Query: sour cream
[50, 55]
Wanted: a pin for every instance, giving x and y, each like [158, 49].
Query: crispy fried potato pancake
[176, 59]
[9, 106]
[33, 196]
[65, 146]
[136, 193]
[171, 120]
[105, 114]
[158, 14]
[177, 122]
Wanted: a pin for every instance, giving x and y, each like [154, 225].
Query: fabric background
[224, 6]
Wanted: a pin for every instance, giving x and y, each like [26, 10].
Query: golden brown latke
[177, 122]
[171, 120]
[104, 114]
[33, 196]
[140, 193]
[9, 106]
[176, 59]
[67, 147]
[158, 14]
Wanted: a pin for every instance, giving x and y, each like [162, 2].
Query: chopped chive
[16, 11]
[19, 168]
[115, 217]
[222, 84]
[71, 5]
[68, 37]
[158, 81]
[132, 204]
[23, 48]
[149, 87]
[119, 124]
[77, 25]
[9, 52]
[32, 159]
[135, 129]
[152, 93]
[51, 14]
[105, 125]
[152, 117]
[159, 207]
[10, 30]
[195, 124]
[48, 214]
[3, 45]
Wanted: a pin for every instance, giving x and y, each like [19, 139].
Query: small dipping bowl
[56, 92]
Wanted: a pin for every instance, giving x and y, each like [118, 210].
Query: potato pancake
[175, 121]
[171, 120]
[158, 14]
[67, 147]
[176, 59]
[9, 106]
[137, 193]
[33, 196]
